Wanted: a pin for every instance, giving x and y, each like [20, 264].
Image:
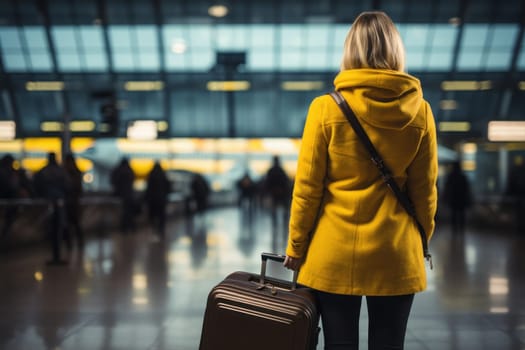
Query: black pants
[387, 315]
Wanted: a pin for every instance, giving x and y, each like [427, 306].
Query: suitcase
[250, 311]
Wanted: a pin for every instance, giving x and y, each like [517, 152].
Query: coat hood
[383, 98]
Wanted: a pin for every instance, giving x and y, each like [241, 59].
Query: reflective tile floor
[136, 292]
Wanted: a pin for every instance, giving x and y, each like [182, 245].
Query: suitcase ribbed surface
[241, 314]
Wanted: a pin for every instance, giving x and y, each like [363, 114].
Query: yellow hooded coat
[345, 222]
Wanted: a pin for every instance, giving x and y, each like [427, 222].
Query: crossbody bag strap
[383, 169]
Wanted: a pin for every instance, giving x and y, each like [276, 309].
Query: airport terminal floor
[137, 292]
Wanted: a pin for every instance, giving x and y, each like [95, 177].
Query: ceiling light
[470, 148]
[218, 11]
[466, 85]
[302, 85]
[506, 131]
[142, 130]
[52, 126]
[82, 125]
[143, 85]
[45, 85]
[162, 125]
[178, 46]
[11, 146]
[455, 21]
[7, 130]
[468, 165]
[454, 126]
[229, 85]
[448, 105]
[75, 126]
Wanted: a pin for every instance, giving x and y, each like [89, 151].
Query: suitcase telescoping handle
[278, 258]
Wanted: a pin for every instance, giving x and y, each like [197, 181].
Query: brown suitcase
[250, 311]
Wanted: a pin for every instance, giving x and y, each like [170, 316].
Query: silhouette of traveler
[74, 191]
[9, 189]
[122, 179]
[200, 192]
[457, 197]
[157, 191]
[247, 189]
[50, 183]
[516, 190]
[25, 189]
[348, 232]
[277, 184]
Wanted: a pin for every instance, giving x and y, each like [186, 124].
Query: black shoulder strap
[385, 172]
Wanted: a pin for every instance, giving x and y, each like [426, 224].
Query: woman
[348, 233]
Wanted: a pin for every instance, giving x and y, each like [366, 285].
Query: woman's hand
[292, 263]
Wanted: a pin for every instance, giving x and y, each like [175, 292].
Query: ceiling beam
[462, 11]
[376, 5]
[506, 95]
[166, 112]
[103, 19]
[43, 9]
[8, 84]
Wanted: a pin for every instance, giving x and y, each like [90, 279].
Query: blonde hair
[373, 42]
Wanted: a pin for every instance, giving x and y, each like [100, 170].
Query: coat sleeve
[309, 181]
[422, 176]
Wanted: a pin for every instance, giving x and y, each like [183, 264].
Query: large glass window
[443, 38]
[261, 54]
[501, 46]
[175, 41]
[12, 53]
[80, 48]
[188, 47]
[39, 56]
[487, 47]
[317, 42]
[25, 49]
[268, 47]
[134, 48]
[472, 47]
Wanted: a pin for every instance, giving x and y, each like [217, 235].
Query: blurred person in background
[278, 186]
[9, 189]
[196, 205]
[73, 195]
[50, 183]
[200, 190]
[247, 189]
[157, 191]
[516, 190]
[122, 179]
[458, 197]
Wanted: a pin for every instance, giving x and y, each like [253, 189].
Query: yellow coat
[354, 235]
